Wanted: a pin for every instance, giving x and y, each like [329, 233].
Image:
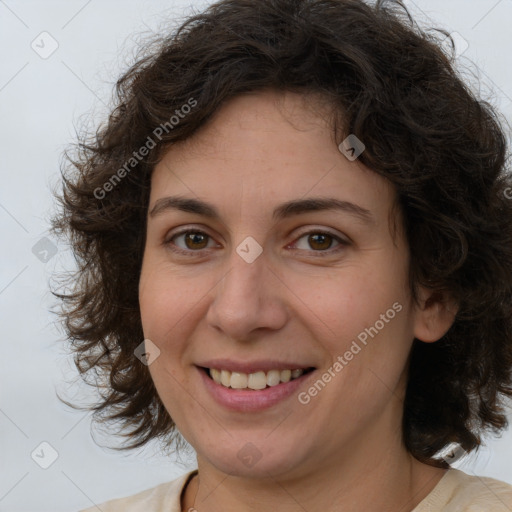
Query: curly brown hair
[392, 85]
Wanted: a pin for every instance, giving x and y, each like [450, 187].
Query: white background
[41, 100]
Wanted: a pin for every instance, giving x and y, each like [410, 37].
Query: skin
[343, 450]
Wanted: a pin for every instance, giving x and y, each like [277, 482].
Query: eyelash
[319, 253]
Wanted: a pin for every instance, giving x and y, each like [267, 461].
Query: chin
[257, 460]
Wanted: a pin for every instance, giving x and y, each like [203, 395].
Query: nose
[249, 298]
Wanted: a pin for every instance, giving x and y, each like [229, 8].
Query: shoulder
[163, 497]
[459, 492]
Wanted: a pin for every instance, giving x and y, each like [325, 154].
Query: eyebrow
[285, 210]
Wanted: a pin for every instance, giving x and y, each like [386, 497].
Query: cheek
[339, 305]
[168, 301]
[364, 318]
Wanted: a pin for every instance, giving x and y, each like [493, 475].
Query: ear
[434, 315]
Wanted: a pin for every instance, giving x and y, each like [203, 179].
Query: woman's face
[257, 286]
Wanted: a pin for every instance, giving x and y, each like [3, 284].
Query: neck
[386, 483]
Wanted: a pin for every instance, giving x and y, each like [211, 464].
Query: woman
[295, 251]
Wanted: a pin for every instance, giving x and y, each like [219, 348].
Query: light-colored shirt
[455, 492]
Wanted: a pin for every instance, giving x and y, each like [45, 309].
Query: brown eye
[189, 241]
[196, 240]
[319, 241]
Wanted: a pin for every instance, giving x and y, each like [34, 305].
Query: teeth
[238, 380]
[296, 373]
[273, 377]
[257, 380]
[225, 378]
[286, 375]
[215, 375]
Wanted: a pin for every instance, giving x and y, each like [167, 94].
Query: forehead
[267, 148]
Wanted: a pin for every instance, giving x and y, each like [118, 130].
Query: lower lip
[252, 400]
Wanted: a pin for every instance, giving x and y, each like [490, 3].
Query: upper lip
[261, 365]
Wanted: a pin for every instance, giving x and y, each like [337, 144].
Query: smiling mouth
[254, 381]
